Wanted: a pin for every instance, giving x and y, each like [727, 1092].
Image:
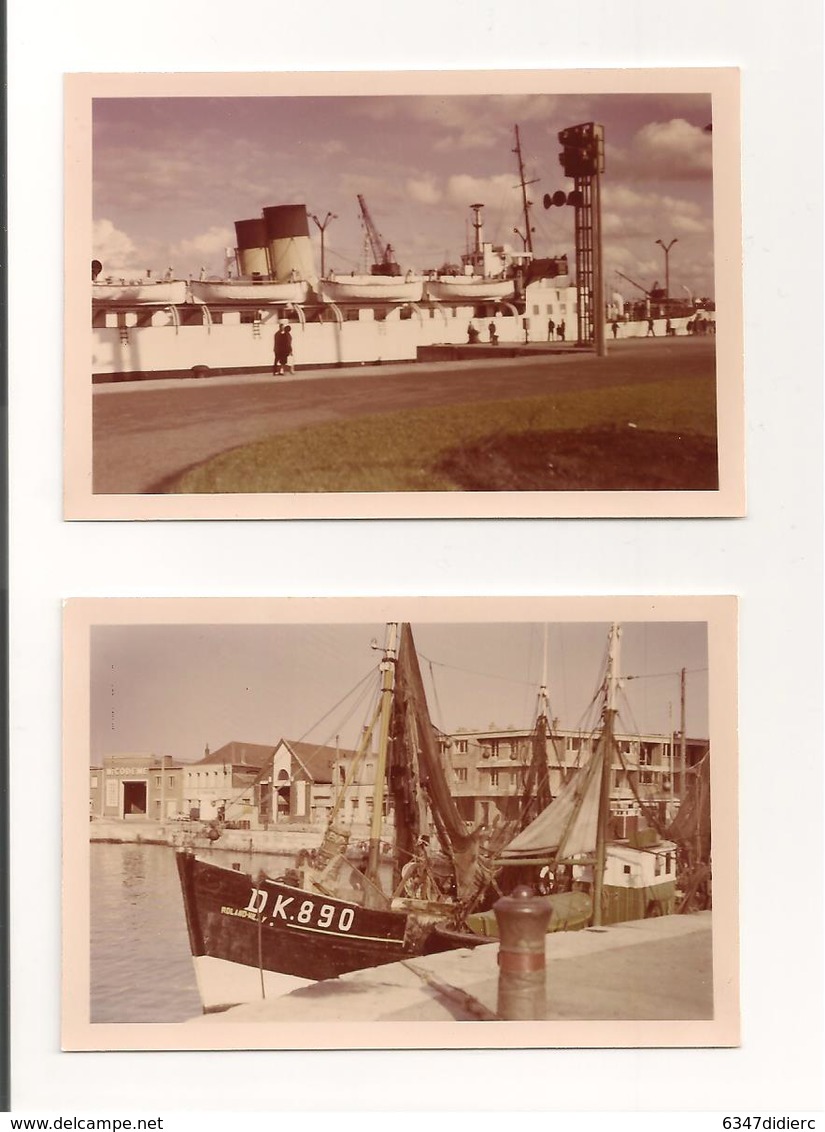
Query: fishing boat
[567, 852]
[257, 936]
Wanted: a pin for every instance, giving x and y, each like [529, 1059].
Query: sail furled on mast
[567, 827]
[416, 770]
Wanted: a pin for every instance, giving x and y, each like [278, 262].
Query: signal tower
[582, 158]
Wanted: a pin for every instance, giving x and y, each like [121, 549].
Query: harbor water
[141, 967]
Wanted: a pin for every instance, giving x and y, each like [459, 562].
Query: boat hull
[245, 291]
[466, 289]
[253, 937]
[171, 292]
[371, 289]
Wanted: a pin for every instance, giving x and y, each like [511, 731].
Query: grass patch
[417, 450]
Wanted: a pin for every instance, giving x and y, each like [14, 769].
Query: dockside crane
[655, 293]
[383, 255]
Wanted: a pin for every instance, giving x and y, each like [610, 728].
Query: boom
[383, 255]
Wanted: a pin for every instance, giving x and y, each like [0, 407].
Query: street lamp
[322, 227]
[666, 249]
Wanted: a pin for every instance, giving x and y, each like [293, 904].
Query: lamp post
[322, 227]
[666, 249]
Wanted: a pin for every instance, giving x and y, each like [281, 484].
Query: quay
[290, 838]
[658, 969]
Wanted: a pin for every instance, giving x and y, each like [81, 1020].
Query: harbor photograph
[286, 814]
[343, 296]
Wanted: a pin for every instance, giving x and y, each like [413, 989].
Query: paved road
[145, 432]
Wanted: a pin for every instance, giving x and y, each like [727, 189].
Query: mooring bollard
[523, 919]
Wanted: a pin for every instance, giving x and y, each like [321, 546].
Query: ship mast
[387, 689]
[610, 710]
[528, 231]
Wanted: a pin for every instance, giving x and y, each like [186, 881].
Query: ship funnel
[290, 248]
[252, 252]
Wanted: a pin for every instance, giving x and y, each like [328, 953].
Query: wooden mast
[387, 688]
[612, 687]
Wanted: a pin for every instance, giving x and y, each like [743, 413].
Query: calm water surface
[141, 967]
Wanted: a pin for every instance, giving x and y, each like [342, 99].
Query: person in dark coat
[282, 344]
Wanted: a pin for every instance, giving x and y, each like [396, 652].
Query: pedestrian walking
[551, 326]
[493, 335]
[615, 328]
[650, 329]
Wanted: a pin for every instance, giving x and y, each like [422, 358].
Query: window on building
[355, 805]
[494, 748]
[171, 780]
[494, 778]
[94, 782]
[461, 746]
[461, 774]
[157, 780]
[627, 870]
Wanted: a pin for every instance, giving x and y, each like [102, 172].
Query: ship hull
[253, 938]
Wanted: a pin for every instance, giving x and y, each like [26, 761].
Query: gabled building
[258, 785]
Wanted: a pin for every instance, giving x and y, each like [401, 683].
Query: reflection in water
[141, 967]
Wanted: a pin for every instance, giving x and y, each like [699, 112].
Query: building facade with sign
[136, 787]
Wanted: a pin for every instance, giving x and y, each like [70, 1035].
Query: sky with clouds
[171, 175]
[171, 689]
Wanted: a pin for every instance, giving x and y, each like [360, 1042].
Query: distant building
[136, 787]
[488, 769]
[258, 785]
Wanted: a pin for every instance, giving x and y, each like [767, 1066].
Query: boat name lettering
[309, 912]
[243, 913]
[257, 901]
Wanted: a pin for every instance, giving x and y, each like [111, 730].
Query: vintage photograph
[379, 295]
[297, 823]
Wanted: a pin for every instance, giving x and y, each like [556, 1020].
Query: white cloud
[424, 191]
[674, 150]
[464, 189]
[115, 249]
[205, 247]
